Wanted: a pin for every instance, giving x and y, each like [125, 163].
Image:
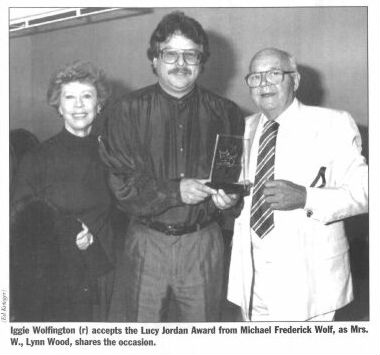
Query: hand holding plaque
[229, 169]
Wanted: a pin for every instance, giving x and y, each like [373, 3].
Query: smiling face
[78, 107]
[273, 99]
[179, 78]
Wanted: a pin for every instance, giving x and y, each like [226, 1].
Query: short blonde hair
[85, 72]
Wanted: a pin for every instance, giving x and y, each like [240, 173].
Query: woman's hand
[84, 238]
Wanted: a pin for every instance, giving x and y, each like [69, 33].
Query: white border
[255, 344]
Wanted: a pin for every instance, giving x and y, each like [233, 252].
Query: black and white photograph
[118, 237]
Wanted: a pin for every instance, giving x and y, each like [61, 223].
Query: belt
[174, 229]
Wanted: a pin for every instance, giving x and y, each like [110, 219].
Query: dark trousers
[156, 269]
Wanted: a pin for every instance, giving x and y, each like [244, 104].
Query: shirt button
[181, 149]
[180, 125]
[182, 175]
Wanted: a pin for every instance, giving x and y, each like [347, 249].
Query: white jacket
[308, 254]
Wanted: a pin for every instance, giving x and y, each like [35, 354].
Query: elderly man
[159, 146]
[290, 259]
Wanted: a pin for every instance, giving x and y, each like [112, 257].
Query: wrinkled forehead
[269, 60]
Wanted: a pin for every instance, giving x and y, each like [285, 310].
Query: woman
[61, 243]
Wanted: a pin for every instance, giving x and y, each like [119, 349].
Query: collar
[70, 138]
[288, 115]
[180, 100]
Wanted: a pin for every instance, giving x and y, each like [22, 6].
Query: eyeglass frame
[283, 72]
[181, 52]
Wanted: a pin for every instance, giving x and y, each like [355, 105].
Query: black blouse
[66, 171]
[58, 185]
[152, 140]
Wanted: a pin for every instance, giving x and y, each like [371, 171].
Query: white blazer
[308, 248]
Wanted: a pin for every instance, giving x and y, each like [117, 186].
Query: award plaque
[229, 169]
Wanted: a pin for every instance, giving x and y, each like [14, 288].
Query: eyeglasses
[191, 57]
[274, 76]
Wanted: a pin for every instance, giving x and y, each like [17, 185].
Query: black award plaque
[229, 169]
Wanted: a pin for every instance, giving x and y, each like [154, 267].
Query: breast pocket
[301, 167]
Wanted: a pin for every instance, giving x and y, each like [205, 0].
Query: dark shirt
[58, 185]
[152, 140]
[66, 171]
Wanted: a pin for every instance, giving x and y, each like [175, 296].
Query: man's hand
[224, 201]
[284, 195]
[194, 191]
[84, 238]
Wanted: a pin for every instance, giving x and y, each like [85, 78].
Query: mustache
[180, 70]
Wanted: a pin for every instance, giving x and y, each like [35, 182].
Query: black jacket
[50, 278]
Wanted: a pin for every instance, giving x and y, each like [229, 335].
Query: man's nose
[180, 61]
[264, 81]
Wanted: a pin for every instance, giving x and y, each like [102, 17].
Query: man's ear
[296, 79]
[154, 63]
